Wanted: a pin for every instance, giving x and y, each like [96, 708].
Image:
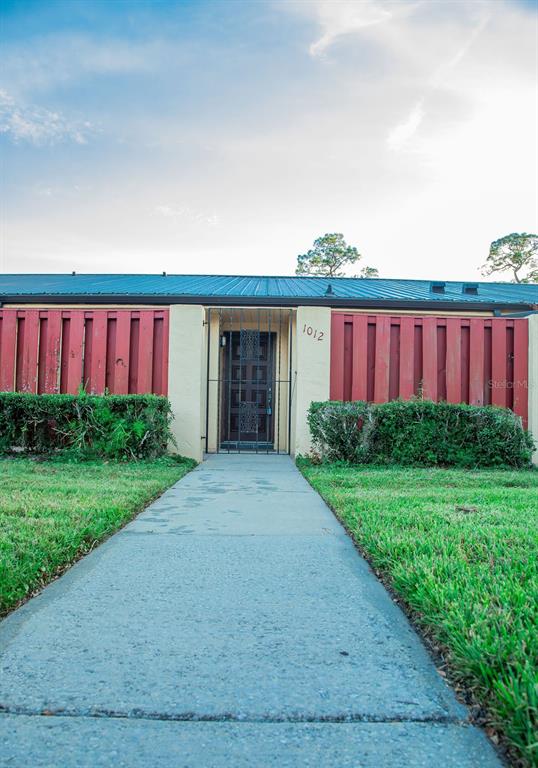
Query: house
[241, 357]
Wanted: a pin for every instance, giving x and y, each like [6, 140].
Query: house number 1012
[318, 335]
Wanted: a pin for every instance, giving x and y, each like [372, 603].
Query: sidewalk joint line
[230, 717]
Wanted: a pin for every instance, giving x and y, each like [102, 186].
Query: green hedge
[86, 426]
[419, 432]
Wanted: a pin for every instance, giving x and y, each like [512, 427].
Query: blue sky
[219, 137]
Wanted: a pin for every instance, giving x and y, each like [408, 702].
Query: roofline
[213, 275]
[274, 301]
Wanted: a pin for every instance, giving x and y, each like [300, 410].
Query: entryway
[249, 381]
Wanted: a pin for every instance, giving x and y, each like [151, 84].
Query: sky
[224, 137]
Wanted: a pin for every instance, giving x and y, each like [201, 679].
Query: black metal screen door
[248, 365]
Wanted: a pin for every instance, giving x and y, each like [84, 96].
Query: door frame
[219, 323]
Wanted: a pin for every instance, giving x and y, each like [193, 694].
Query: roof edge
[230, 276]
[254, 301]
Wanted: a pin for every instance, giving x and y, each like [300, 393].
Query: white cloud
[187, 214]
[462, 51]
[344, 18]
[400, 136]
[39, 126]
[403, 132]
[43, 190]
[62, 59]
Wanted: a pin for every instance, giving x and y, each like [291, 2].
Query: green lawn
[461, 548]
[52, 512]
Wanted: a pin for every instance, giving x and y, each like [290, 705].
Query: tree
[516, 253]
[328, 257]
[369, 272]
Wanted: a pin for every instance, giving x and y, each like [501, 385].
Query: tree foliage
[516, 253]
[369, 272]
[329, 256]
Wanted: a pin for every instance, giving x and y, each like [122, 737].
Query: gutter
[260, 301]
[525, 313]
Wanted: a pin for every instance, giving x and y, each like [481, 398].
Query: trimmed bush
[85, 426]
[419, 432]
[423, 432]
[342, 431]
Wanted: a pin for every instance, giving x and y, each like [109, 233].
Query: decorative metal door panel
[247, 387]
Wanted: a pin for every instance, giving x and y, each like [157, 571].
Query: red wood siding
[475, 360]
[48, 351]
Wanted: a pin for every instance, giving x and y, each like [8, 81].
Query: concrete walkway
[231, 624]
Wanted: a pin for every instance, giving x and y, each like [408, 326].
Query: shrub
[85, 426]
[424, 432]
[420, 432]
[342, 431]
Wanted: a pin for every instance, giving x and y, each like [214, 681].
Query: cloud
[403, 132]
[400, 136]
[442, 73]
[187, 214]
[344, 18]
[39, 126]
[348, 17]
[423, 62]
[59, 60]
[43, 190]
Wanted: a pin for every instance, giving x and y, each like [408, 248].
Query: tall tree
[514, 253]
[328, 258]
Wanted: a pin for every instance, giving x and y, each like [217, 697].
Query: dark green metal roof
[255, 290]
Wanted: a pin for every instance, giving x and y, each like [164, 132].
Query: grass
[461, 549]
[52, 512]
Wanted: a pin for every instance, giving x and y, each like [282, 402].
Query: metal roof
[256, 289]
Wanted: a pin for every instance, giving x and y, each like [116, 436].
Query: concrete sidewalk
[231, 624]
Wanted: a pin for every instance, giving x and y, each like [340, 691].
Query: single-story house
[242, 357]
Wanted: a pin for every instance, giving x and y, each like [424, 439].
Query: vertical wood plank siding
[50, 351]
[482, 361]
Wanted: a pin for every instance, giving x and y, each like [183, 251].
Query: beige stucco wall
[185, 377]
[533, 380]
[312, 366]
